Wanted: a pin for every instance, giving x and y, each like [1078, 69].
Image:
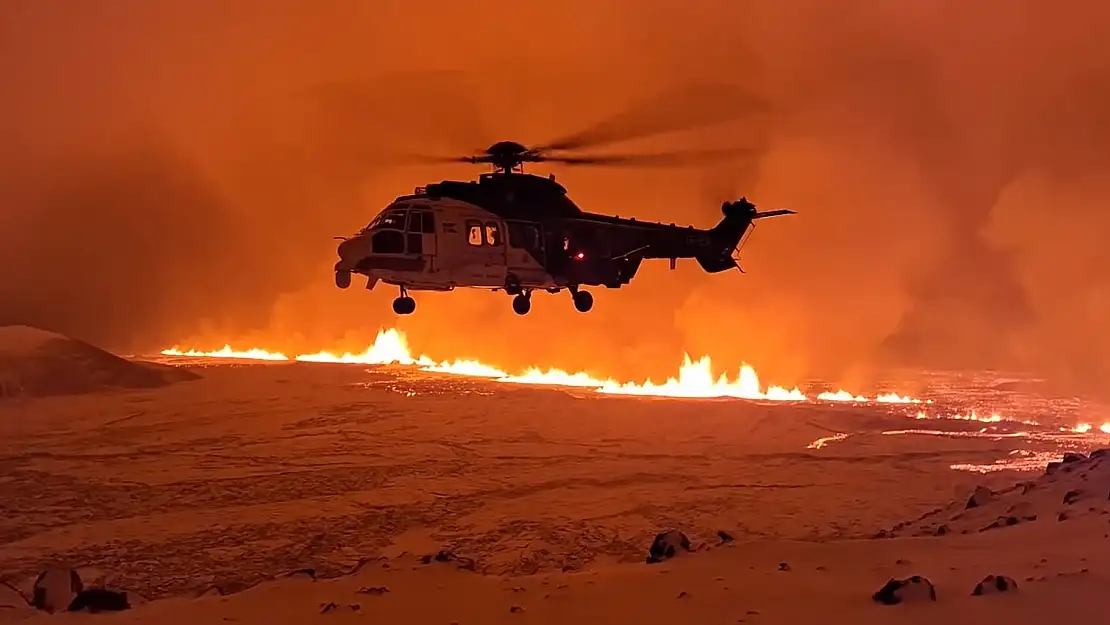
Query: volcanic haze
[180, 167]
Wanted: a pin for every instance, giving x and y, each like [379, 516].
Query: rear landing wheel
[583, 301]
[404, 305]
[522, 304]
[342, 279]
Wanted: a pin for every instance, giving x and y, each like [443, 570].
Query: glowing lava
[895, 398]
[1084, 428]
[695, 377]
[842, 395]
[227, 352]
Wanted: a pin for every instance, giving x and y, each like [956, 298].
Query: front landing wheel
[522, 304]
[583, 301]
[404, 305]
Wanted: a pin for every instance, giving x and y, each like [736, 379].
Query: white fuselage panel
[459, 245]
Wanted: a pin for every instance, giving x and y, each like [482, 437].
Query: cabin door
[525, 255]
[420, 235]
[485, 254]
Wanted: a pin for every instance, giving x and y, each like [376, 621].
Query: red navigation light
[580, 255]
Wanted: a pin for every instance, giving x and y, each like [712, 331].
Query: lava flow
[695, 377]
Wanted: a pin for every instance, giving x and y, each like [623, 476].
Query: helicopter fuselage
[520, 233]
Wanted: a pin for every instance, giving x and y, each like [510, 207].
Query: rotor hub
[507, 156]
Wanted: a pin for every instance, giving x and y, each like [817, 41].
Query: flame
[227, 352]
[1084, 428]
[895, 398]
[556, 377]
[842, 395]
[695, 379]
[390, 347]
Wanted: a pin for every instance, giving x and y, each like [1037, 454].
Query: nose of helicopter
[346, 249]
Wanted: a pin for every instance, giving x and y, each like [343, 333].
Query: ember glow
[695, 379]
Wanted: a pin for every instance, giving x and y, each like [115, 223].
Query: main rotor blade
[688, 108]
[435, 107]
[668, 159]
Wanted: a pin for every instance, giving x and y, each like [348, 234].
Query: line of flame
[695, 377]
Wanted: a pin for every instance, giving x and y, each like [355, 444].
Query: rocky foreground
[1038, 541]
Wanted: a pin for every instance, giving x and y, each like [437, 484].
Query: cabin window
[416, 221]
[524, 235]
[393, 220]
[474, 233]
[493, 234]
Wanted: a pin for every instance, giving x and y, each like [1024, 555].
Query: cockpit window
[391, 219]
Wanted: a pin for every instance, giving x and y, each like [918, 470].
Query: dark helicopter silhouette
[517, 232]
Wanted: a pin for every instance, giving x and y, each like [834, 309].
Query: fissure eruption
[695, 379]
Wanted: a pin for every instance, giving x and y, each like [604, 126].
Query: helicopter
[520, 233]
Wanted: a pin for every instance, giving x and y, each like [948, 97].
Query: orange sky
[170, 173]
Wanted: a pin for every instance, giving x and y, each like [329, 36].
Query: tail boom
[739, 216]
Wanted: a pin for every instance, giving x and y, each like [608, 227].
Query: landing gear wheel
[342, 279]
[583, 301]
[404, 305]
[522, 304]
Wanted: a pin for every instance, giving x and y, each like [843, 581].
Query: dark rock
[373, 590]
[328, 607]
[909, 590]
[1063, 516]
[55, 589]
[683, 594]
[1071, 497]
[302, 574]
[980, 497]
[1002, 521]
[941, 530]
[1099, 453]
[783, 566]
[100, 600]
[992, 584]
[211, 591]
[515, 609]
[725, 536]
[1052, 468]
[667, 545]
[1071, 456]
[443, 555]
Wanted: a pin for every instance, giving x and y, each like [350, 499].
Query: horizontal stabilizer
[739, 216]
[774, 213]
